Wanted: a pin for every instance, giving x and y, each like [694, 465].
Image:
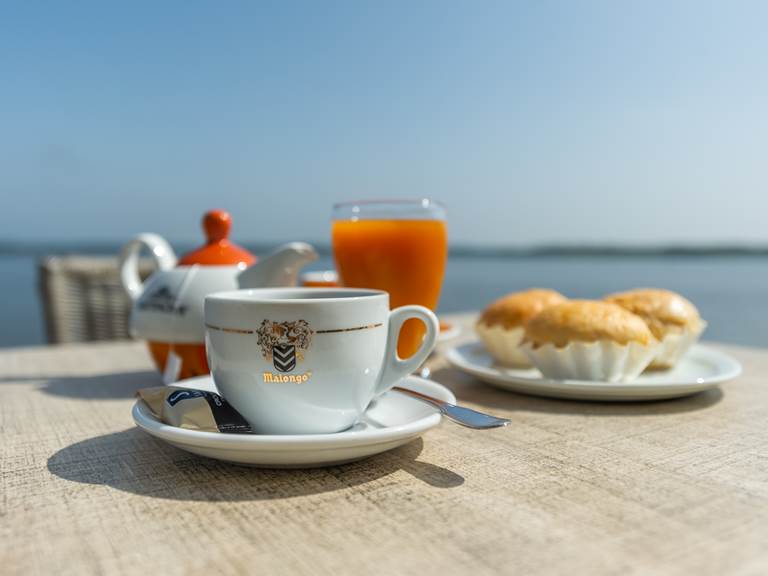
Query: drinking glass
[400, 246]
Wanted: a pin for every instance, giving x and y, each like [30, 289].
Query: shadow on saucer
[469, 389]
[135, 462]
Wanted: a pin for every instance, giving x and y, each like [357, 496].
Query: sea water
[730, 291]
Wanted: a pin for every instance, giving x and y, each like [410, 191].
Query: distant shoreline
[41, 249]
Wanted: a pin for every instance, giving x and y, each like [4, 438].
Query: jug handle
[160, 251]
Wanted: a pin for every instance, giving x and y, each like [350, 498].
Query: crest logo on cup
[284, 342]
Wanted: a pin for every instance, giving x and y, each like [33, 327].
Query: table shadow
[96, 387]
[470, 389]
[133, 461]
[102, 386]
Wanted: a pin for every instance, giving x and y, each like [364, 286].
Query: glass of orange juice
[400, 246]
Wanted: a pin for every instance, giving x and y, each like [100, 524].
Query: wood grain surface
[675, 487]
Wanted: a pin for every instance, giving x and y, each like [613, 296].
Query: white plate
[391, 421]
[700, 369]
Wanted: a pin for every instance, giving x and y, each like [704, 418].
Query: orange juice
[403, 257]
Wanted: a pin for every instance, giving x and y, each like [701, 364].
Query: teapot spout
[280, 268]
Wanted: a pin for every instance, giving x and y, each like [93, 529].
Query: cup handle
[395, 367]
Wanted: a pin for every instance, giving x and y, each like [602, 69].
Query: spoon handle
[464, 416]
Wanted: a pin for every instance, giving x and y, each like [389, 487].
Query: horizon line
[107, 247]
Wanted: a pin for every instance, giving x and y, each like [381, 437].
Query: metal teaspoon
[464, 416]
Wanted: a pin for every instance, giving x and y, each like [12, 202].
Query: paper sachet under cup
[674, 345]
[603, 361]
[503, 344]
[193, 409]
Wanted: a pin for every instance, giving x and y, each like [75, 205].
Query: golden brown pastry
[517, 308]
[663, 310]
[500, 326]
[589, 340]
[673, 319]
[586, 321]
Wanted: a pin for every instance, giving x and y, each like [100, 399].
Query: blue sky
[592, 121]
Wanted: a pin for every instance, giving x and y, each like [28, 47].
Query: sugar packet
[193, 409]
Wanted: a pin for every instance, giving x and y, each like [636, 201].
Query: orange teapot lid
[218, 250]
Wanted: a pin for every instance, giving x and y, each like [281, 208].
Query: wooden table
[677, 487]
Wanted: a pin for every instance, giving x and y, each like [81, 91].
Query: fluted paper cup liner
[674, 346]
[602, 361]
[503, 344]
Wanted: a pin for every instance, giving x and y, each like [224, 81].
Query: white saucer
[391, 421]
[702, 368]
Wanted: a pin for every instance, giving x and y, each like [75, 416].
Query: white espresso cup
[307, 360]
